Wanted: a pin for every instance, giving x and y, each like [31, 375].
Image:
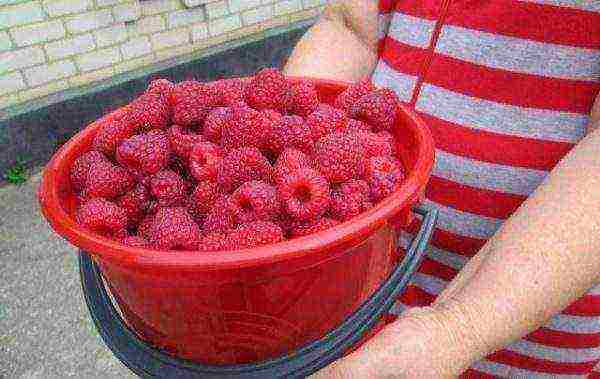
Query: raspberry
[135, 203]
[254, 234]
[243, 165]
[103, 217]
[377, 109]
[289, 160]
[245, 129]
[214, 242]
[304, 98]
[313, 227]
[151, 111]
[325, 120]
[374, 144]
[107, 180]
[305, 194]
[135, 241]
[217, 120]
[144, 227]
[231, 91]
[145, 154]
[350, 200]
[182, 140]
[356, 125]
[174, 229]
[352, 94]
[113, 131]
[192, 101]
[290, 131]
[163, 87]
[268, 89]
[205, 160]
[81, 166]
[202, 199]
[256, 201]
[221, 217]
[168, 188]
[383, 174]
[338, 156]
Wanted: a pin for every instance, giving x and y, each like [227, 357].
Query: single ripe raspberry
[305, 99]
[377, 109]
[243, 165]
[338, 156]
[151, 111]
[256, 201]
[231, 91]
[81, 166]
[164, 87]
[203, 198]
[107, 180]
[205, 160]
[182, 140]
[103, 217]
[375, 144]
[145, 154]
[325, 120]
[214, 242]
[313, 227]
[135, 203]
[192, 101]
[305, 194]
[174, 229]
[217, 120]
[168, 188]
[268, 89]
[384, 175]
[254, 234]
[350, 200]
[356, 125]
[144, 228]
[245, 129]
[221, 217]
[289, 131]
[352, 94]
[289, 160]
[112, 131]
[135, 241]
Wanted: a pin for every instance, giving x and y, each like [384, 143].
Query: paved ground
[45, 331]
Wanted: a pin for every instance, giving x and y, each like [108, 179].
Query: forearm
[340, 46]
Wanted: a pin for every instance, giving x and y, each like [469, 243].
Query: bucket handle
[149, 362]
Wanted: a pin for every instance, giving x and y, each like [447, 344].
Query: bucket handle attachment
[149, 362]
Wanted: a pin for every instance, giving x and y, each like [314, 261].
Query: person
[507, 88]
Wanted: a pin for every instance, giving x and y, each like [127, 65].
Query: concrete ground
[45, 330]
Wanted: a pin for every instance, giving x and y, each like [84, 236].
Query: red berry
[151, 111]
[174, 229]
[375, 144]
[214, 242]
[256, 201]
[221, 217]
[135, 241]
[192, 101]
[313, 227]
[254, 234]
[338, 156]
[81, 166]
[144, 228]
[245, 129]
[268, 89]
[352, 94]
[289, 160]
[304, 98]
[202, 199]
[325, 120]
[145, 154]
[377, 109]
[182, 140]
[289, 131]
[112, 131]
[103, 217]
[168, 188]
[107, 180]
[384, 175]
[350, 200]
[356, 125]
[135, 203]
[217, 120]
[243, 165]
[205, 160]
[231, 91]
[162, 86]
[305, 194]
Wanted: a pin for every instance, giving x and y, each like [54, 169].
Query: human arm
[342, 45]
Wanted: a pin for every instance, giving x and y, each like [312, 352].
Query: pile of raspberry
[236, 163]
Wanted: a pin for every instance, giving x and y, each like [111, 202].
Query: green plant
[17, 174]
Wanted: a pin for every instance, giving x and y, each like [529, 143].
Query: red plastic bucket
[248, 305]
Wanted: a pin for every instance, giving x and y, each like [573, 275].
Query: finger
[595, 116]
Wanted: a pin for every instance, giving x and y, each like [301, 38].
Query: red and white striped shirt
[506, 87]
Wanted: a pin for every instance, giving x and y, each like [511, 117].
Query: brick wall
[47, 46]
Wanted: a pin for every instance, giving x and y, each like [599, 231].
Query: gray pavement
[45, 330]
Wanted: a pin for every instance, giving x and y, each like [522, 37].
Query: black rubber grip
[148, 362]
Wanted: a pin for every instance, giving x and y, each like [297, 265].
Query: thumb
[595, 116]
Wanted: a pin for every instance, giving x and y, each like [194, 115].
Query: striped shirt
[506, 87]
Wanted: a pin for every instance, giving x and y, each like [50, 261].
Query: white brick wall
[111, 35]
[160, 6]
[136, 47]
[11, 83]
[39, 75]
[241, 5]
[98, 59]
[15, 59]
[150, 24]
[72, 46]
[224, 25]
[169, 39]
[89, 21]
[217, 9]
[199, 32]
[256, 15]
[56, 8]
[5, 42]
[21, 14]
[127, 12]
[36, 33]
[287, 6]
[184, 17]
